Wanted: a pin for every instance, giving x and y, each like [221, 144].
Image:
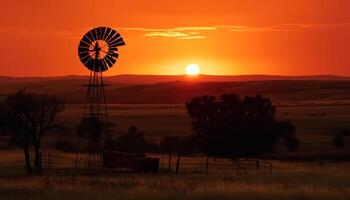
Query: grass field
[289, 180]
[316, 126]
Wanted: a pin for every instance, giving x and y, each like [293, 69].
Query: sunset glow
[192, 69]
[232, 37]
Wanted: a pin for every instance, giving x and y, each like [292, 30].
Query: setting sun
[192, 69]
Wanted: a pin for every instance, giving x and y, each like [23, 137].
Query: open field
[316, 125]
[289, 180]
[320, 179]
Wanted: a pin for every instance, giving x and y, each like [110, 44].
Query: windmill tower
[98, 51]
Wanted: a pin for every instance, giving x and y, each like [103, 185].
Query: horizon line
[222, 75]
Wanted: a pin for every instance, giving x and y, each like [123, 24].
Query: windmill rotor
[98, 48]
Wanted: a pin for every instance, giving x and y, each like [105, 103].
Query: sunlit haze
[227, 37]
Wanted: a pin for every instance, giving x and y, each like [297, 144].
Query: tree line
[225, 127]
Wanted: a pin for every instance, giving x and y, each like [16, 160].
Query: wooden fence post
[207, 165]
[47, 161]
[270, 168]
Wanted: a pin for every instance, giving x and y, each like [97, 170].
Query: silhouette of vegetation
[232, 127]
[287, 131]
[28, 117]
[339, 141]
[292, 143]
[91, 127]
[131, 142]
[65, 146]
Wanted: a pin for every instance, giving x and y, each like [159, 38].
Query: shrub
[65, 146]
[339, 141]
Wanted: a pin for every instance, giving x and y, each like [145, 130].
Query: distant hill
[156, 89]
[286, 92]
[151, 79]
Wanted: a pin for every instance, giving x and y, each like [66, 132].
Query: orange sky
[289, 37]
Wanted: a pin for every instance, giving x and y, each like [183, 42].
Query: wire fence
[55, 160]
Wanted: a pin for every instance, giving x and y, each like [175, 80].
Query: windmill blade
[90, 64]
[114, 38]
[87, 39]
[108, 34]
[105, 65]
[100, 33]
[85, 59]
[111, 59]
[96, 33]
[117, 42]
[111, 35]
[84, 44]
[113, 49]
[83, 54]
[91, 35]
[109, 63]
[83, 48]
[105, 30]
[113, 54]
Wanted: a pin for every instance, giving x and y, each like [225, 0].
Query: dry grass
[289, 181]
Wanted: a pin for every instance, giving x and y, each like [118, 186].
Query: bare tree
[28, 117]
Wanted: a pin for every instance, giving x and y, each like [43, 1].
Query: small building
[132, 162]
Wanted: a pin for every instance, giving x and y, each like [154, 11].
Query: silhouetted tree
[287, 130]
[339, 140]
[292, 143]
[132, 142]
[232, 127]
[28, 117]
[345, 132]
[92, 128]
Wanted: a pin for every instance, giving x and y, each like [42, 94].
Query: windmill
[98, 51]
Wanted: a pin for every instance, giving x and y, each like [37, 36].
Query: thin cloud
[197, 32]
[191, 37]
[174, 34]
[182, 33]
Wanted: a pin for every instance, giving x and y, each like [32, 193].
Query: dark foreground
[297, 180]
